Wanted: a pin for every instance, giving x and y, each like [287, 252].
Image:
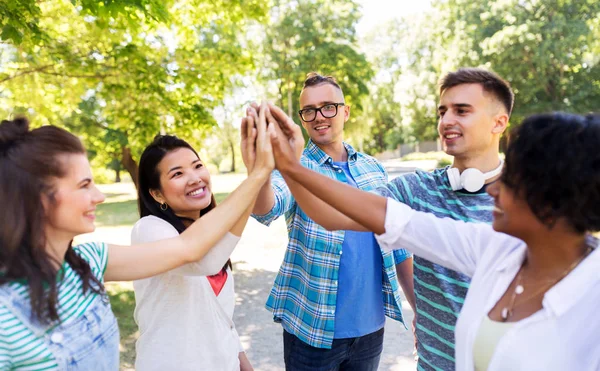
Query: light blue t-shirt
[359, 308]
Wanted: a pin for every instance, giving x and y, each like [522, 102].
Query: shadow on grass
[125, 213]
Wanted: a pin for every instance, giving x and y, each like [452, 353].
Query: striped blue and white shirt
[303, 297]
[440, 291]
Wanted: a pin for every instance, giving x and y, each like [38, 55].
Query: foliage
[320, 36]
[117, 77]
[548, 50]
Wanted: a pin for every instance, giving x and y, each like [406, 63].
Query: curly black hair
[553, 161]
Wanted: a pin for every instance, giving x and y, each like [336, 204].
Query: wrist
[259, 174]
[292, 170]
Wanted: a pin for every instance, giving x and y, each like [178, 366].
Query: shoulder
[152, 228]
[363, 157]
[95, 253]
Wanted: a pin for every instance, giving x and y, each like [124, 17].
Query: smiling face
[471, 121]
[324, 131]
[184, 183]
[71, 208]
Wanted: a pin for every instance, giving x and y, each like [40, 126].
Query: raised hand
[287, 143]
[264, 162]
[292, 132]
[248, 140]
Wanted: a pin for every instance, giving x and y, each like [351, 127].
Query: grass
[122, 301]
[121, 213]
[120, 210]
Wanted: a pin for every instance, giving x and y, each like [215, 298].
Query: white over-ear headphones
[471, 179]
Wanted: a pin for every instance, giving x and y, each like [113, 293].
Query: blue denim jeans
[89, 342]
[353, 354]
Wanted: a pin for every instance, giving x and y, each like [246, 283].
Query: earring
[164, 206]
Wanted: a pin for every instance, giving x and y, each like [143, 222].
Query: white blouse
[183, 324]
[563, 335]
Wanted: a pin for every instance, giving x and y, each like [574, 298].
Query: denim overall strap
[21, 309]
[88, 342]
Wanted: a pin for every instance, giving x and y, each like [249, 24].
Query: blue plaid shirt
[303, 297]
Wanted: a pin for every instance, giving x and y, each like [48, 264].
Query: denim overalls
[89, 342]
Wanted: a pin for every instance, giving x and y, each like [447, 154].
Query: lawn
[119, 210]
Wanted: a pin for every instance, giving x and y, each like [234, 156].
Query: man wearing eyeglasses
[334, 288]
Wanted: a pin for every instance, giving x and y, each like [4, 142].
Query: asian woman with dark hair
[194, 302]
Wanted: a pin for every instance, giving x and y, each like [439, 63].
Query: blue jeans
[353, 354]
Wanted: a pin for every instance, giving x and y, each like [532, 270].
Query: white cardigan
[183, 324]
[563, 335]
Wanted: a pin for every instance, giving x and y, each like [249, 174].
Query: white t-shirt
[563, 335]
[183, 324]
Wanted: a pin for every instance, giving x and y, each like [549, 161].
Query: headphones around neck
[471, 180]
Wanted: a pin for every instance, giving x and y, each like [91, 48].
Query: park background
[117, 72]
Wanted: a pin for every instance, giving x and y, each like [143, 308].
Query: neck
[484, 163]
[551, 252]
[57, 246]
[335, 150]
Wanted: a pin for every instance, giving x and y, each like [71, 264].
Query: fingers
[261, 123]
[286, 123]
[244, 129]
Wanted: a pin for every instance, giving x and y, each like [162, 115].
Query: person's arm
[245, 364]
[265, 201]
[150, 229]
[319, 211]
[148, 259]
[404, 270]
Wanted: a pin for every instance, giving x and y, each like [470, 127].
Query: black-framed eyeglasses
[328, 111]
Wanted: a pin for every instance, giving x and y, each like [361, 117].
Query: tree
[549, 51]
[315, 35]
[134, 80]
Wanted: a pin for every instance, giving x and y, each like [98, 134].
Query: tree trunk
[117, 176]
[130, 165]
[232, 148]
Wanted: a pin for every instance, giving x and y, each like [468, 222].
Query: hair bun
[12, 131]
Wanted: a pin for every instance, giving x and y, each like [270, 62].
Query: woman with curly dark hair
[532, 303]
[54, 312]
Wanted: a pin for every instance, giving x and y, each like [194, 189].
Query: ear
[157, 196]
[500, 123]
[346, 113]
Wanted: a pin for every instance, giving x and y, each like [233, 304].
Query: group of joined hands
[269, 139]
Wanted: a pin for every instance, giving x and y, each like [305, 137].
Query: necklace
[507, 312]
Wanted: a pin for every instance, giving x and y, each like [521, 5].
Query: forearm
[265, 199]
[323, 214]
[192, 245]
[365, 208]
[238, 228]
[404, 271]
[244, 362]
